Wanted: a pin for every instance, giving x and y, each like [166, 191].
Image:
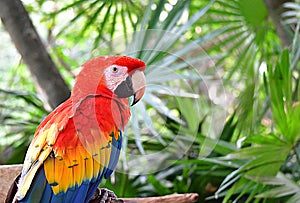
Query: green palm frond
[20, 114]
[283, 187]
[246, 39]
[166, 54]
[268, 154]
[97, 17]
[248, 43]
[292, 15]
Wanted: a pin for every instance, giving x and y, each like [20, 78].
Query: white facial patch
[114, 75]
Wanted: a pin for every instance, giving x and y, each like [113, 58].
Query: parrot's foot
[103, 195]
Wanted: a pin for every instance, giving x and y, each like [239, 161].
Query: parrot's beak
[138, 86]
[134, 85]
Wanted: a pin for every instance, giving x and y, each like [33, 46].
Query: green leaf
[93, 18]
[158, 185]
[156, 14]
[254, 11]
[285, 186]
[268, 139]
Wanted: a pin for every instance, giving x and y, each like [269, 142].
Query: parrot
[78, 144]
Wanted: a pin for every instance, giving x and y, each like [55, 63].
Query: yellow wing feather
[58, 173]
[38, 151]
[78, 170]
[88, 167]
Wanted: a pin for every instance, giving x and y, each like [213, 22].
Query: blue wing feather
[82, 191]
[114, 155]
[70, 195]
[41, 191]
[36, 191]
[47, 194]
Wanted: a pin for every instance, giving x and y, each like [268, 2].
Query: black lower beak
[134, 85]
[125, 89]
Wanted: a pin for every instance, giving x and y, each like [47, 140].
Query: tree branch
[26, 39]
[8, 173]
[178, 198]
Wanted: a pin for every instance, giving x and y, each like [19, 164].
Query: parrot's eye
[114, 69]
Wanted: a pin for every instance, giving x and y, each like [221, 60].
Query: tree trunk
[275, 10]
[26, 39]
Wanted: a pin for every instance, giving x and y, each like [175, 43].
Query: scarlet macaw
[79, 143]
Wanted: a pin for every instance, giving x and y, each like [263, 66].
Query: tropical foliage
[221, 112]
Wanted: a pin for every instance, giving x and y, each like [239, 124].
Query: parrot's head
[111, 76]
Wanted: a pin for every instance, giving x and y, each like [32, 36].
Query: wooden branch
[49, 81]
[178, 198]
[9, 172]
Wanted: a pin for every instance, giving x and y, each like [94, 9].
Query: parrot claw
[103, 195]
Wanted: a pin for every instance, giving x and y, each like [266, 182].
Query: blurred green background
[221, 113]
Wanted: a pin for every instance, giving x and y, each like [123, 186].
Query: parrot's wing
[41, 145]
[88, 151]
[69, 156]
[77, 173]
